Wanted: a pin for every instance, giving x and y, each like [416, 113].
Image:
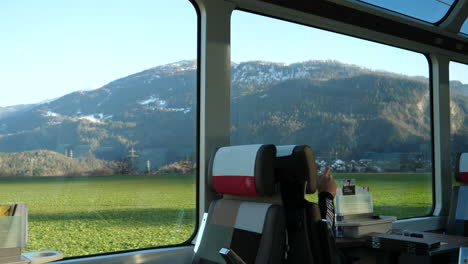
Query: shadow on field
[403, 211]
[139, 216]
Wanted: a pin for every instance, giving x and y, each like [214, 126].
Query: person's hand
[326, 183]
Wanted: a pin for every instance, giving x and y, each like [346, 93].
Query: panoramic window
[363, 107]
[428, 10]
[464, 28]
[458, 109]
[98, 122]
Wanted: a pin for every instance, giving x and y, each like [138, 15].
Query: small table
[449, 244]
[350, 242]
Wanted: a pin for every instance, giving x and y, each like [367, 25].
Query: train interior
[199, 131]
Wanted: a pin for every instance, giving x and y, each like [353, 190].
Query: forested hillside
[333, 107]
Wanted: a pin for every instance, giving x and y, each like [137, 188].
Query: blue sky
[270, 39]
[464, 28]
[50, 48]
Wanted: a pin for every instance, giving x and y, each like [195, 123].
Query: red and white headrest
[461, 170]
[298, 162]
[246, 170]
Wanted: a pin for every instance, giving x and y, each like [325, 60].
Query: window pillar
[215, 66]
[441, 123]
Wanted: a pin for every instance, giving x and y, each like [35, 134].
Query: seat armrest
[230, 256]
[328, 247]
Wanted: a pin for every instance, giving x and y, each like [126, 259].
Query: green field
[399, 194]
[88, 215]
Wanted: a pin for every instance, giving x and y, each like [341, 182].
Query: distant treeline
[49, 163]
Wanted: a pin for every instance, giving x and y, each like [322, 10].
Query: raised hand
[326, 183]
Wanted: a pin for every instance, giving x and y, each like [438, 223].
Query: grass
[399, 194]
[88, 215]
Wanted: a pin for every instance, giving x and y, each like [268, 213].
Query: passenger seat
[458, 215]
[248, 219]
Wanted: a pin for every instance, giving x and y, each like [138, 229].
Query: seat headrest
[300, 161]
[246, 170]
[461, 168]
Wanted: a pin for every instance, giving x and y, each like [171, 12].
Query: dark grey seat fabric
[254, 230]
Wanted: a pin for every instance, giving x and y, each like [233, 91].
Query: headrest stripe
[238, 160]
[235, 176]
[283, 151]
[246, 170]
[463, 162]
[463, 176]
[235, 185]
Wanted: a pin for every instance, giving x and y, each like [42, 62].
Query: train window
[431, 11]
[458, 108]
[98, 122]
[464, 28]
[363, 107]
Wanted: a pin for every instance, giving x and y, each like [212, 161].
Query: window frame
[430, 87]
[188, 242]
[417, 38]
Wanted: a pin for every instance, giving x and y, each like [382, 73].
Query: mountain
[151, 111]
[332, 106]
[338, 114]
[459, 87]
[459, 120]
[15, 109]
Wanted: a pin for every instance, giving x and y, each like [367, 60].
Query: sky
[464, 28]
[50, 48]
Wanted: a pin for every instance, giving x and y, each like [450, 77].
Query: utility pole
[148, 166]
[132, 157]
